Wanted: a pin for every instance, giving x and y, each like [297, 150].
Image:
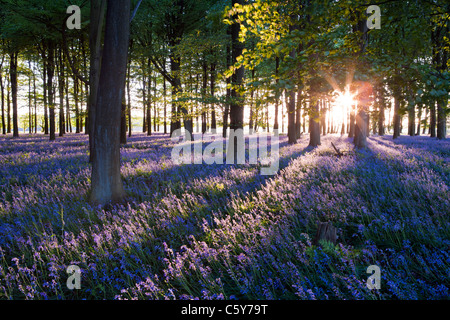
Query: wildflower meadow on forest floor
[225, 231]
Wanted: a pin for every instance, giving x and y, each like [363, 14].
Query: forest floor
[225, 231]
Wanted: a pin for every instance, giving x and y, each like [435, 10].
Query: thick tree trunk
[97, 14]
[106, 179]
[314, 135]
[360, 138]
[13, 79]
[441, 119]
[433, 120]
[396, 119]
[411, 119]
[236, 106]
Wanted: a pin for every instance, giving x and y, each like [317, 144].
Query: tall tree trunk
[2, 97]
[425, 121]
[106, 179]
[30, 112]
[277, 96]
[419, 119]
[165, 104]
[396, 120]
[204, 87]
[236, 105]
[314, 127]
[292, 136]
[67, 118]
[77, 110]
[291, 118]
[212, 88]
[228, 91]
[35, 102]
[13, 80]
[382, 105]
[97, 14]
[50, 92]
[298, 111]
[154, 104]
[433, 120]
[411, 117]
[252, 103]
[123, 121]
[8, 107]
[62, 129]
[149, 102]
[129, 93]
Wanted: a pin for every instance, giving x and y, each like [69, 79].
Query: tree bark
[212, 88]
[433, 120]
[61, 84]
[396, 119]
[277, 96]
[97, 14]
[236, 105]
[13, 80]
[50, 92]
[314, 127]
[106, 179]
[2, 97]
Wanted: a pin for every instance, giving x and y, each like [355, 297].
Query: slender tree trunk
[30, 113]
[8, 107]
[144, 102]
[154, 104]
[204, 87]
[50, 92]
[212, 87]
[228, 90]
[411, 118]
[382, 105]
[35, 103]
[123, 121]
[425, 121]
[252, 103]
[62, 129]
[2, 97]
[298, 111]
[149, 101]
[165, 104]
[13, 80]
[292, 137]
[77, 110]
[106, 179]
[277, 96]
[129, 92]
